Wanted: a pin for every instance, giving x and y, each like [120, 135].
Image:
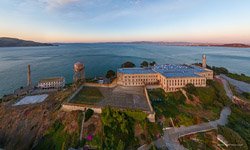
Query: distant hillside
[13, 42]
[238, 45]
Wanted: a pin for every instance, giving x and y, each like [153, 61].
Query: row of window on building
[183, 82]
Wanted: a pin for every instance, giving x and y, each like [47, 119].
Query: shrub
[233, 138]
[239, 121]
[144, 64]
[128, 64]
[88, 114]
[110, 74]
[190, 88]
[136, 115]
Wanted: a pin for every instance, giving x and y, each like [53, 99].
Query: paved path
[172, 135]
[226, 86]
[241, 86]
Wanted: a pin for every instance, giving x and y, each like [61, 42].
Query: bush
[144, 64]
[233, 138]
[110, 74]
[128, 64]
[190, 88]
[88, 114]
[57, 138]
[136, 115]
[239, 121]
[152, 63]
[118, 129]
[246, 95]
[240, 77]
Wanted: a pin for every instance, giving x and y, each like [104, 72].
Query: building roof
[167, 70]
[54, 79]
[136, 70]
[175, 70]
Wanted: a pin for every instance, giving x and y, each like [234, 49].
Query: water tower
[79, 74]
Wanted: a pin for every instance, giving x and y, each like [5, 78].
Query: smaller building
[52, 83]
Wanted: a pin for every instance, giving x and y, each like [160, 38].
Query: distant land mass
[237, 45]
[14, 42]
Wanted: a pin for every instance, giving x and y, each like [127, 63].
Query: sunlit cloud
[53, 4]
[125, 20]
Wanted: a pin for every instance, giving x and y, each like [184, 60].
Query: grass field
[88, 95]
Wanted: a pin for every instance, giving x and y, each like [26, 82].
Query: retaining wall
[74, 107]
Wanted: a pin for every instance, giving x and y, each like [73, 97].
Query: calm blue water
[98, 58]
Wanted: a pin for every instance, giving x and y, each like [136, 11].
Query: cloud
[53, 4]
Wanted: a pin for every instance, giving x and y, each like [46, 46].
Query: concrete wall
[151, 114]
[74, 107]
[113, 84]
[98, 110]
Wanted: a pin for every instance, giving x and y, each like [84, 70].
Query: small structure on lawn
[52, 83]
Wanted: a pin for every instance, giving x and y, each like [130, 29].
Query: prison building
[52, 83]
[171, 77]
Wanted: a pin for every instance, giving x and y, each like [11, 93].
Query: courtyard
[119, 96]
[31, 99]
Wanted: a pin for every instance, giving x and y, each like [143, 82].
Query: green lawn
[88, 95]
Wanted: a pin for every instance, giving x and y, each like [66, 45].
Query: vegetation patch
[243, 95]
[88, 114]
[239, 121]
[119, 129]
[88, 95]
[234, 139]
[211, 100]
[57, 138]
[239, 77]
[206, 140]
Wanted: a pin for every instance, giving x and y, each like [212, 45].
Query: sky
[214, 21]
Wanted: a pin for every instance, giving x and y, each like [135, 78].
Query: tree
[121, 145]
[88, 114]
[152, 63]
[110, 74]
[144, 64]
[190, 88]
[128, 64]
